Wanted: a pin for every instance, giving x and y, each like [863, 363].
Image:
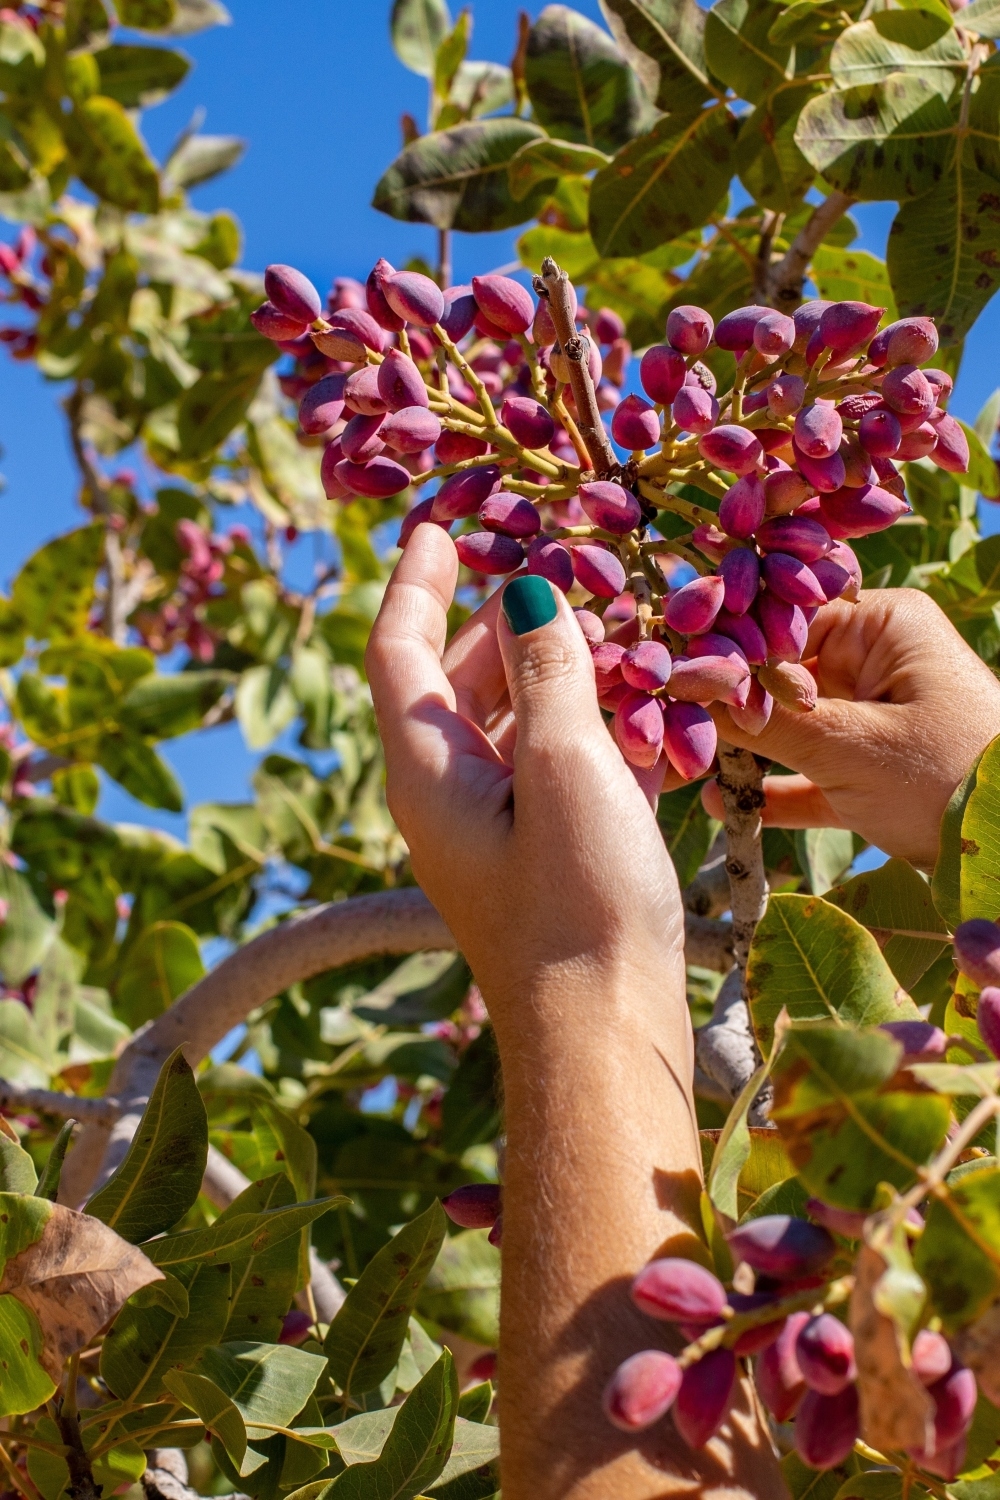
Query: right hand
[905, 708]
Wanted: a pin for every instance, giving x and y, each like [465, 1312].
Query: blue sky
[317, 94]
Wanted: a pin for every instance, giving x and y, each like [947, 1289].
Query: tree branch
[327, 937]
[18, 1098]
[786, 278]
[554, 284]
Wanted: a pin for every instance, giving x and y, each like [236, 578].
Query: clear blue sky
[316, 91]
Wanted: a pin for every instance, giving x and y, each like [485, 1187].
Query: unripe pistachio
[400, 383]
[459, 312]
[792, 580]
[824, 474]
[977, 950]
[292, 293]
[609, 506]
[740, 572]
[489, 552]
[635, 424]
[951, 452]
[745, 632]
[825, 1352]
[742, 507]
[454, 447]
[912, 341]
[694, 410]
[880, 433]
[931, 1357]
[826, 1427]
[475, 1206]
[527, 421]
[505, 302]
[384, 315]
[818, 430]
[462, 494]
[851, 513]
[777, 1374]
[276, 325]
[784, 627]
[616, 363]
[846, 325]
[510, 514]
[597, 570]
[733, 448]
[908, 392]
[689, 738]
[639, 728]
[661, 372]
[360, 439]
[785, 395]
[784, 489]
[551, 560]
[773, 335]
[755, 713]
[689, 329]
[800, 536]
[592, 626]
[918, 444]
[607, 326]
[646, 665]
[377, 479]
[642, 1390]
[358, 321]
[807, 319]
[333, 487]
[414, 517]
[942, 384]
[411, 429]
[988, 1017]
[735, 331]
[692, 608]
[322, 405]
[706, 1390]
[710, 679]
[415, 297]
[362, 394]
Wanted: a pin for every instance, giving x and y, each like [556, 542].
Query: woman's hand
[544, 858]
[905, 707]
[540, 850]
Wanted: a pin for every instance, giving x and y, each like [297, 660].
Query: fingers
[474, 665]
[792, 802]
[800, 741]
[422, 734]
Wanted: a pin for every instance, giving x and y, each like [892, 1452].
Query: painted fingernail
[528, 602]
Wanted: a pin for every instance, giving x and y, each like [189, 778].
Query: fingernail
[528, 602]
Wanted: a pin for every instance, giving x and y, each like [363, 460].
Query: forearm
[602, 1170]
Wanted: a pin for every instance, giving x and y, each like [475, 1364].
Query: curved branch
[554, 284]
[786, 278]
[328, 937]
[18, 1097]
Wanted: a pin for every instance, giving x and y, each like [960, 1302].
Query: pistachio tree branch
[326, 937]
[786, 278]
[18, 1097]
[554, 284]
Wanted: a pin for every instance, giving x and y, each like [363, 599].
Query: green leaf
[269, 1384]
[955, 1254]
[824, 854]
[165, 706]
[146, 15]
[417, 1448]
[136, 766]
[944, 250]
[854, 276]
[244, 1234]
[809, 957]
[462, 1292]
[732, 1150]
[979, 847]
[109, 157]
[541, 161]
[664, 41]
[580, 86]
[263, 1285]
[367, 1334]
[11, 634]
[160, 966]
[476, 1402]
[24, 1057]
[984, 17]
[418, 27]
[195, 15]
[25, 1384]
[199, 158]
[161, 1174]
[202, 1396]
[17, 1170]
[146, 1340]
[687, 830]
[210, 409]
[770, 164]
[982, 470]
[862, 54]
[140, 76]
[265, 705]
[457, 179]
[845, 1127]
[48, 1187]
[812, 1484]
[878, 140]
[451, 54]
[470, 1113]
[54, 590]
[894, 902]
[25, 932]
[481, 88]
[738, 49]
[662, 184]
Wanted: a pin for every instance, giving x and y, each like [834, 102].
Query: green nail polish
[528, 602]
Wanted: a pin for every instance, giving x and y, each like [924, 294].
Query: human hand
[905, 707]
[540, 851]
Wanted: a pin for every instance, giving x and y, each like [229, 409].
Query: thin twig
[554, 284]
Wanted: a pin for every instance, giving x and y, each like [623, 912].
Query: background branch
[786, 278]
[554, 284]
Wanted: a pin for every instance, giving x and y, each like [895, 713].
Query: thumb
[550, 676]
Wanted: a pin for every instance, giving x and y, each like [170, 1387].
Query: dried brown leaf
[74, 1278]
[896, 1411]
